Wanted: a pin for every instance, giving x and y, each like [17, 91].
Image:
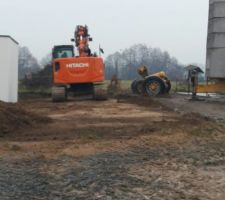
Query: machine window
[64, 54]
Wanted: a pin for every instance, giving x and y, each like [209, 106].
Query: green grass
[124, 85]
[24, 90]
[176, 87]
[179, 87]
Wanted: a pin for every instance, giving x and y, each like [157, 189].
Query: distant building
[8, 69]
[215, 64]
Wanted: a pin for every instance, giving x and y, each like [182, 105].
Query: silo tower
[215, 59]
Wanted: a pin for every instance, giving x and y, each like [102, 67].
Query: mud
[134, 148]
[209, 107]
[13, 117]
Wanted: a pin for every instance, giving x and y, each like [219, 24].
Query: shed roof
[193, 67]
[7, 36]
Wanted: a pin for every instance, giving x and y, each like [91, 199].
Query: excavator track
[58, 94]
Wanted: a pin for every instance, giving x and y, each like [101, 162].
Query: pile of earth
[195, 118]
[13, 117]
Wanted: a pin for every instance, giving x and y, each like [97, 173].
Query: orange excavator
[79, 75]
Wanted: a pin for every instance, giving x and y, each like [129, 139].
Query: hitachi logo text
[77, 65]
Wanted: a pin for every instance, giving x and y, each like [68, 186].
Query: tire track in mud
[140, 173]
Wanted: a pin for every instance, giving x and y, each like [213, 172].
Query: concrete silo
[215, 63]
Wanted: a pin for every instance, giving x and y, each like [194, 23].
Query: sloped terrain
[13, 117]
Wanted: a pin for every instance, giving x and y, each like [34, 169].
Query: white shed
[8, 69]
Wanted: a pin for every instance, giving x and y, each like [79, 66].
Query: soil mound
[195, 118]
[13, 117]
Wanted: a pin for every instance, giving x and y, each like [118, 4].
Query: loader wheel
[137, 87]
[154, 86]
[59, 94]
[168, 88]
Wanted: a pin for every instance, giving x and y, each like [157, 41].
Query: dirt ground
[129, 149]
[212, 107]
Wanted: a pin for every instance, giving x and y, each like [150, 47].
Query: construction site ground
[128, 148]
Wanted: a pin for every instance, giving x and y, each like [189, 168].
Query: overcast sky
[178, 26]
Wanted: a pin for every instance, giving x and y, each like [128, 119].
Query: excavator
[151, 85]
[80, 75]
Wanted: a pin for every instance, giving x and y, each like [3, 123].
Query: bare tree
[125, 64]
[27, 62]
[46, 60]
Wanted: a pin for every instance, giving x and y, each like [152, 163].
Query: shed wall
[8, 70]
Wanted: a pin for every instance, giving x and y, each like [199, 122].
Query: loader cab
[63, 51]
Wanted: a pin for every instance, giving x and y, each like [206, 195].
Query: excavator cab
[63, 51]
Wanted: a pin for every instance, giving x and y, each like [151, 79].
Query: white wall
[8, 70]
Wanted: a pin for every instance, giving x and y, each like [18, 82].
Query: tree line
[123, 64]
[29, 65]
